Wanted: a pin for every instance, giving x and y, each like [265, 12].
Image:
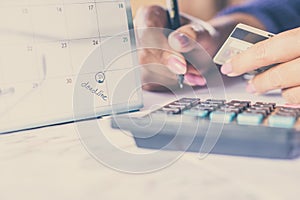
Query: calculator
[240, 128]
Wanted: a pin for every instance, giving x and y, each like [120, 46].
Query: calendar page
[51, 49]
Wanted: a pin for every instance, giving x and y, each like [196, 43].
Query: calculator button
[266, 104]
[222, 117]
[286, 114]
[241, 103]
[196, 113]
[234, 105]
[187, 104]
[171, 110]
[215, 101]
[181, 107]
[250, 118]
[208, 108]
[257, 111]
[282, 121]
[291, 108]
[207, 105]
[230, 108]
[191, 101]
[269, 108]
[235, 110]
[295, 111]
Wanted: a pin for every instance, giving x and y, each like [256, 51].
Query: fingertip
[176, 65]
[227, 69]
[178, 40]
[252, 88]
[194, 80]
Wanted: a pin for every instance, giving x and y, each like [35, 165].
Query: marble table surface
[52, 163]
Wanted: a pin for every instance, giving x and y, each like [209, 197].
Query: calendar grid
[68, 36]
[67, 40]
[98, 25]
[42, 101]
[60, 34]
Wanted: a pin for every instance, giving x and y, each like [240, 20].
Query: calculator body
[164, 130]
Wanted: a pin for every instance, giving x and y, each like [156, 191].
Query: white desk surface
[51, 163]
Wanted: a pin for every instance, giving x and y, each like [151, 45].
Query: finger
[281, 48]
[150, 21]
[194, 80]
[193, 77]
[174, 61]
[186, 37]
[282, 76]
[292, 95]
[157, 77]
[154, 48]
[151, 16]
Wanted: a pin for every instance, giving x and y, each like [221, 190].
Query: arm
[276, 15]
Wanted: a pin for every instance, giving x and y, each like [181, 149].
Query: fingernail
[251, 89]
[182, 39]
[226, 68]
[195, 80]
[176, 66]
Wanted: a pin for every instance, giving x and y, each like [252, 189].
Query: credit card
[242, 38]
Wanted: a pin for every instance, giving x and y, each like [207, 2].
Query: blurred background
[203, 9]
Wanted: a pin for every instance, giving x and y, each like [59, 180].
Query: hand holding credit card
[242, 38]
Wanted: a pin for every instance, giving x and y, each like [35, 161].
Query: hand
[283, 49]
[162, 65]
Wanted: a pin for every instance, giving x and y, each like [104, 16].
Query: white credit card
[241, 38]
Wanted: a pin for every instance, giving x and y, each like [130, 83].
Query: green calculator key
[282, 121]
[220, 116]
[196, 113]
[250, 119]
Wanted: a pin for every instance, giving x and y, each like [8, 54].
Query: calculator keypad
[235, 111]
